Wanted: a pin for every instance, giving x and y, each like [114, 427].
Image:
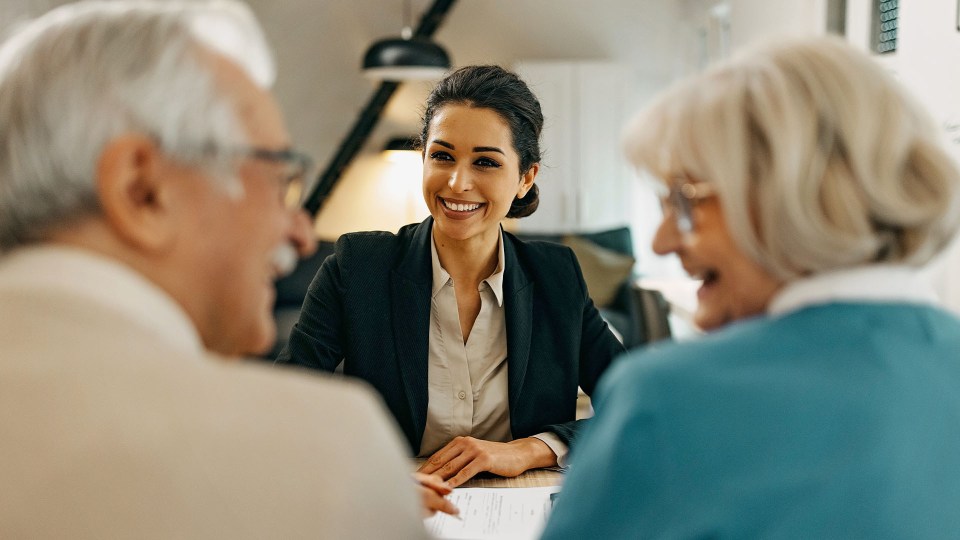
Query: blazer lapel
[410, 305]
[518, 310]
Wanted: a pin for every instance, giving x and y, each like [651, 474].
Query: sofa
[638, 316]
[606, 257]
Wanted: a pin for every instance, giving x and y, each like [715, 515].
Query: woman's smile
[458, 209]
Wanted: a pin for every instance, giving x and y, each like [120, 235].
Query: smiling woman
[733, 286]
[486, 338]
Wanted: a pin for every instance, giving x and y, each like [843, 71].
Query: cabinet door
[602, 175]
[554, 85]
[583, 178]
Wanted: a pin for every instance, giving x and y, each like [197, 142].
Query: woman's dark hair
[502, 91]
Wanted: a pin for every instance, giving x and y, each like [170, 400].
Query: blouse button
[462, 395]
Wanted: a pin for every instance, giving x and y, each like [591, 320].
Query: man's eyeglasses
[295, 168]
[683, 195]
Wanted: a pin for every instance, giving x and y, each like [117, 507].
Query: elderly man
[142, 176]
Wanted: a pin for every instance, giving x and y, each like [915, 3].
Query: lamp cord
[407, 31]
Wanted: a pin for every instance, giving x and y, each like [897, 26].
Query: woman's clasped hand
[465, 457]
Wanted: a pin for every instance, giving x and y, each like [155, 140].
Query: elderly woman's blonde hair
[820, 160]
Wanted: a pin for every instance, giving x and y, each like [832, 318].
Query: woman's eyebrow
[445, 144]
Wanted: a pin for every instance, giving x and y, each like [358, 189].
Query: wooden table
[531, 478]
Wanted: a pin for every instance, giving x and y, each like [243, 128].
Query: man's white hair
[85, 73]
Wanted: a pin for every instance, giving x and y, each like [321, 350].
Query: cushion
[604, 270]
[618, 239]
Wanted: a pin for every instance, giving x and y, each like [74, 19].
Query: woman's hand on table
[464, 457]
[432, 490]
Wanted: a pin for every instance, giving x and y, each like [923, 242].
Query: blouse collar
[494, 281]
[873, 283]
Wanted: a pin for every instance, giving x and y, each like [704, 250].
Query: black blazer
[369, 306]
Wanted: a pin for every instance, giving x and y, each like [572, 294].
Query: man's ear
[527, 180]
[133, 196]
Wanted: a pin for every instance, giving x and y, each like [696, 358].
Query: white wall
[752, 20]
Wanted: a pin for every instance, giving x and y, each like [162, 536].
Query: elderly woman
[804, 190]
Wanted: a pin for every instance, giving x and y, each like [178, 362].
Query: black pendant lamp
[406, 57]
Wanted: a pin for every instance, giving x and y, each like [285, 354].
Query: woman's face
[734, 287]
[471, 172]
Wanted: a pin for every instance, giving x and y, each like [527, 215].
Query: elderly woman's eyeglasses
[682, 196]
[293, 175]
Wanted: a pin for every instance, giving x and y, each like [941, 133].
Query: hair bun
[526, 205]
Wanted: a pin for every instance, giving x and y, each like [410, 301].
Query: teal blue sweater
[835, 421]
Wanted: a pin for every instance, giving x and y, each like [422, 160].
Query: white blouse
[467, 384]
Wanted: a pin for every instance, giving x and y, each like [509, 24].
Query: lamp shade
[399, 149]
[398, 59]
[401, 144]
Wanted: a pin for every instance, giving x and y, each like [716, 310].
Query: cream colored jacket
[114, 423]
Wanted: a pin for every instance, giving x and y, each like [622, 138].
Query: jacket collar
[518, 292]
[414, 264]
[440, 276]
[410, 315]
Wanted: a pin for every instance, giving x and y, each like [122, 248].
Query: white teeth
[461, 207]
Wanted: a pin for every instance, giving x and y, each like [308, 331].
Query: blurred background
[592, 63]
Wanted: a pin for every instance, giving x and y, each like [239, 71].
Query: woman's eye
[441, 156]
[487, 162]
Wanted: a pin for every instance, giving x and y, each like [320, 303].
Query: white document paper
[502, 513]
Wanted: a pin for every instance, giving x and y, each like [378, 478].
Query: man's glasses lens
[296, 167]
[294, 194]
